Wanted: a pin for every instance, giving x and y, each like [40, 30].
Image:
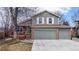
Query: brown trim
[46, 24]
[57, 34]
[52, 27]
[70, 32]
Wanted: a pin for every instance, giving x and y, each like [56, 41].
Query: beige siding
[45, 15]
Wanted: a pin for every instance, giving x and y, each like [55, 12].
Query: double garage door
[51, 34]
[45, 34]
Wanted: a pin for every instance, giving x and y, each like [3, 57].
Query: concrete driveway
[55, 45]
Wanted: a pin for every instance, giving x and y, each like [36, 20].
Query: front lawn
[15, 45]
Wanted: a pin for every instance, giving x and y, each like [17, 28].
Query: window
[50, 20]
[19, 29]
[40, 20]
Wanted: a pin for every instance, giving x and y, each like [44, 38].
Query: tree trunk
[14, 13]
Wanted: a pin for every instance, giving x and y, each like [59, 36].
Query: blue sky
[67, 11]
[70, 15]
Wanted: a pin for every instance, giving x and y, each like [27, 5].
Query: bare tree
[61, 17]
[75, 17]
[10, 16]
[5, 21]
[66, 23]
[14, 13]
[17, 12]
[25, 12]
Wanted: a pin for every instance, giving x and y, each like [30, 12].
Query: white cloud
[65, 9]
[53, 9]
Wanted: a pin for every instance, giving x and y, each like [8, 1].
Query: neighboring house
[76, 29]
[44, 25]
[73, 32]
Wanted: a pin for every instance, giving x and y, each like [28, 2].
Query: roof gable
[46, 12]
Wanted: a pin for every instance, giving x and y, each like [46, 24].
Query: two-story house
[45, 25]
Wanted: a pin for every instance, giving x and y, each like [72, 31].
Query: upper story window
[40, 20]
[50, 20]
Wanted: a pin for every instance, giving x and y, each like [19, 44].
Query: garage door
[45, 34]
[64, 34]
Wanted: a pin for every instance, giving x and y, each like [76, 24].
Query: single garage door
[45, 34]
[64, 34]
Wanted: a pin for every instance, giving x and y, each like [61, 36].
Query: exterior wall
[45, 15]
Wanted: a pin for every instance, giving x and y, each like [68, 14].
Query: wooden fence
[2, 35]
[73, 34]
[21, 35]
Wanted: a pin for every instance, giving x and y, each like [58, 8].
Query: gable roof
[47, 12]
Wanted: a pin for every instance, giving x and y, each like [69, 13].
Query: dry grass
[15, 45]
